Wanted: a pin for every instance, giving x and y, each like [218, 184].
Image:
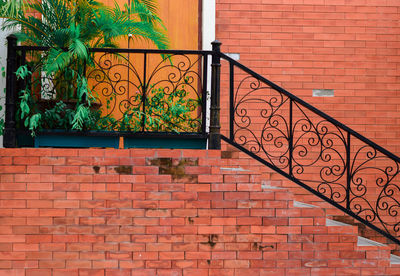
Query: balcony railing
[141, 93]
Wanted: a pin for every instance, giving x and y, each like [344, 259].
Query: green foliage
[23, 72]
[74, 25]
[24, 104]
[69, 28]
[82, 114]
[163, 112]
[34, 122]
[58, 117]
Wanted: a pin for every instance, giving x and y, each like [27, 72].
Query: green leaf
[22, 72]
[34, 123]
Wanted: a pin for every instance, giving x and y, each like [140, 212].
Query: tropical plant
[68, 28]
[163, 112]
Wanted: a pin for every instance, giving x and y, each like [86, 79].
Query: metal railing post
[215, 127]
[10, 132]
[348, 172]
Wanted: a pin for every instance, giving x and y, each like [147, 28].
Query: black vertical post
[204, 95]
[10, 132]
[215, 127]
[144, 90]
[291, 137]
[348, 168]
[231, 100]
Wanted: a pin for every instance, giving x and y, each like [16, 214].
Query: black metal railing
[314, 150]
[135, 92]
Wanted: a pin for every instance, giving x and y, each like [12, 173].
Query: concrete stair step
[394, 259]
[331, 222]
[367, 242]
[233, 169]
[299, 204]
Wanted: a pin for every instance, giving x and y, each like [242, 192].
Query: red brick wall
[161, 212]
[349, 46]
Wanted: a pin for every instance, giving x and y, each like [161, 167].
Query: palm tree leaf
[10, 8]
[77, 47]
[56, 60]
[151, 5]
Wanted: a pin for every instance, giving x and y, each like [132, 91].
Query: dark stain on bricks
[175, 167]
[123, 169]
[96, 169]
[212, 240]
[261, 247]
[226, 154]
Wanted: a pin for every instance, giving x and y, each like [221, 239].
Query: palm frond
[77, 47]
[56, 60]
[10, 8]
[142, 30]
[142, 10]
[24, 24]
[151, 5]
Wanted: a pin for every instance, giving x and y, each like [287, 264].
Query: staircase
[328, 161]
[166, 212]
[232, 155]
[197, 212]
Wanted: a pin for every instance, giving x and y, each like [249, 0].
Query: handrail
[312, 108]
[314, 150]
[122, 50]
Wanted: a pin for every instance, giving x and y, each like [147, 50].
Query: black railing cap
[216, 44]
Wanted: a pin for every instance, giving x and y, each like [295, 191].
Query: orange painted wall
[180, 18]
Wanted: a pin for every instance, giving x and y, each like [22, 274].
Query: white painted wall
[208, 28]
[3, 63]
[208, 36]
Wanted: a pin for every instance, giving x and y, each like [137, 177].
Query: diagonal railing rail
[312, 149]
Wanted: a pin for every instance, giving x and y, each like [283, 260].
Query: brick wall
[349, 46]
[162, 212]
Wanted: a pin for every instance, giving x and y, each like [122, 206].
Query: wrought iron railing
[314, 150]
[136, 92]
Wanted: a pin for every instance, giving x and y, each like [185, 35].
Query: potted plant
[67, 28]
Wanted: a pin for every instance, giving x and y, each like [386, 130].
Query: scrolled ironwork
[314, 150]
[133, 90]
[148, 87]
[269, 132]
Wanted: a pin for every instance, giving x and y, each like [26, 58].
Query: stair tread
[394, 259]
[236, 169]
[331, 222]
[266, 186]
[367, 242]
[299, 204]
